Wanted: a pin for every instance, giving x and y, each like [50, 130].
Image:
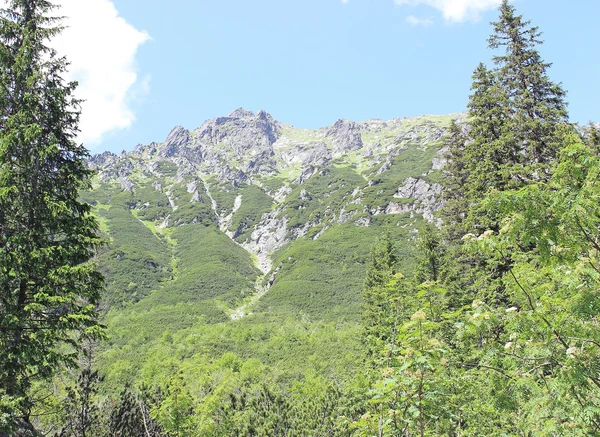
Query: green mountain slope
[250, 236]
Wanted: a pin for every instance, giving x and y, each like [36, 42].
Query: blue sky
[311, 62]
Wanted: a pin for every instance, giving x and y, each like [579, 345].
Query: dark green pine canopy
[48, 287]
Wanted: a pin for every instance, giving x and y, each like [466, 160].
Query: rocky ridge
[306, 181]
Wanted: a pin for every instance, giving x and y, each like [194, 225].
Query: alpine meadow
[435, 275]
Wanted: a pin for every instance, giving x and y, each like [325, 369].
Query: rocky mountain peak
[263, 115]
[345, 136]
[241, 113]
[237, 148]
[177, 138]
[266, 184]
[242, 130]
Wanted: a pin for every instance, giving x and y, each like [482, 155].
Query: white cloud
[456, 10]
[414, 21]
[344, 2]
[101, 47]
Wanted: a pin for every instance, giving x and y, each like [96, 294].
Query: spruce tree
[536, 105]
[381, 291]
[514, 113]
[479, 161]
[477, 158]
[430, 256]
[382, 262]
[516, 126]
[48, 286]
[456, 176]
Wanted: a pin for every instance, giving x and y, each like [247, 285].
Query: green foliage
[130, 414]
[80, 410]
[167, 169]
[512, 139]
[190, 211]
[207, 283]
[222, 269]
[224, 195]
[409, 397]
[522, 358]
[381, 297]
[550, 328]
[382, 263]
[494, 334]
[536, 105]
[324, 192]
[410, 391]
[150, 204]
[522, 221]
[175, 410]
[515, 111]
[136, 261]
[47, 236]
[412, 161]
[302, 336]
[322, 278]
[431, 254]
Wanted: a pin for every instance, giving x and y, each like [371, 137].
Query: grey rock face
[262, 163]
[250, 148]
[268, 236]
[230, 174]
[126, 184]
[241, 113]
[312, 154]
[241, 129]
[102, 160]
[318, 156]
[345, 136]
[440, 160]
[304, 195]
[307, 173]
[177, 138]
[241, 137]
[427, 198]
[398, 208]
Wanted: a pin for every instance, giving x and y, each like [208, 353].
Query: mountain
[245, 224]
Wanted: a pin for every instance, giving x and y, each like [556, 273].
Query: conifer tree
[479, 161]
[430, 256]
[130, 414]
[456, 176]
[592, 138]
[380, 295]
[48, 287]
[514, 113]
[515, 329]
[536, 105]
[382, 262]
[476, 159]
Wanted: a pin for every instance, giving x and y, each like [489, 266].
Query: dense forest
[480, 319]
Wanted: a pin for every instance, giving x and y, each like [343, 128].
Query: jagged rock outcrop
[200, 175]
[440, 160]
[312, 154]
[176, 139]
[345, 136]
[242, 137]
[427, 198]
[268, 236]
